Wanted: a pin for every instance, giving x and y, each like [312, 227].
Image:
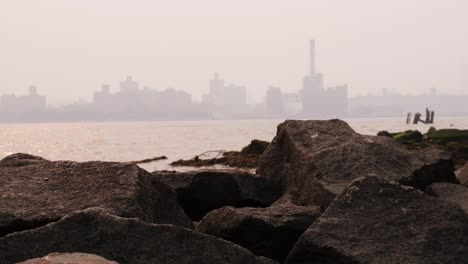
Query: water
[176, 140]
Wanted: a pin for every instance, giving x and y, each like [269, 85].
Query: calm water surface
[176, 140]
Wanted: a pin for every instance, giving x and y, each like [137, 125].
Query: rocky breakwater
[322, 194]
[313, 162]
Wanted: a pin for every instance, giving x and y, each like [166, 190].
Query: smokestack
[312, 57]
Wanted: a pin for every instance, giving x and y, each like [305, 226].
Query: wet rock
[35, 192]
[445, 135]
[269, 232]
[200, 192]
[450, 192]
[384, 133]
[409, 135]
[316, 160]
[69, 258]
[454, 141]
[123, 240]
[374, 221]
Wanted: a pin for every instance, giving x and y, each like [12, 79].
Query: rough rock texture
[34, 192]
[127, 241]
[316, 160]
[69, 258]
[374, 221]
[462, 175]
[199, 192]
[269, 232]
[450, 192]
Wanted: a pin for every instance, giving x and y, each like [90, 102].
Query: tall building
[274, 102]
[24, 107]
[318, 101]
[226, 100]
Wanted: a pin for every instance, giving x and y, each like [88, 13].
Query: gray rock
[316, 160]
[450, 192]
[124, 240]
[374, 221]
[69, 258]
[269, 232]
[200, 192]
[34, 192]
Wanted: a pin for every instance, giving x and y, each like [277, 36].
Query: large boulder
[69, 258]
[269, 232]
[450, 192]
[35, 192]
[374, 221]
[200, 192]
[124, 240]
[316, 160]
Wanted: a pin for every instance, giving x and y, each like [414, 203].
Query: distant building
[274, 103]
[227, 101]
[133, 103]
[398, 105]
[320, 102]
[23, 108]
[280, 105]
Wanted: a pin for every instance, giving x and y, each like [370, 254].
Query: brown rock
[316, 160]
[69, 258]
[269, 232]
[123, 240]
[374, 221]
[35, 191]
[450, 192]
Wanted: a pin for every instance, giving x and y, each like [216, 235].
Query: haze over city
[68, 49]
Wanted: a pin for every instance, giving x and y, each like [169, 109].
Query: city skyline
[224, 100]
[68, 48]
[313, 76]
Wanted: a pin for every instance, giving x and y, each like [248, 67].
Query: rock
[431, 130]
[444, 135]
[123, 240]
[255, 147]
[316, 160]
[450, 192]
[269, 232]
[200, 192]
[35, 192]
[384, 133]
[409, 135]
[462, 175]
[69, 258]
[374, 221]
[454, 141]
[20, 159]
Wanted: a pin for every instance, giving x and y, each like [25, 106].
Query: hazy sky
[68, 48]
